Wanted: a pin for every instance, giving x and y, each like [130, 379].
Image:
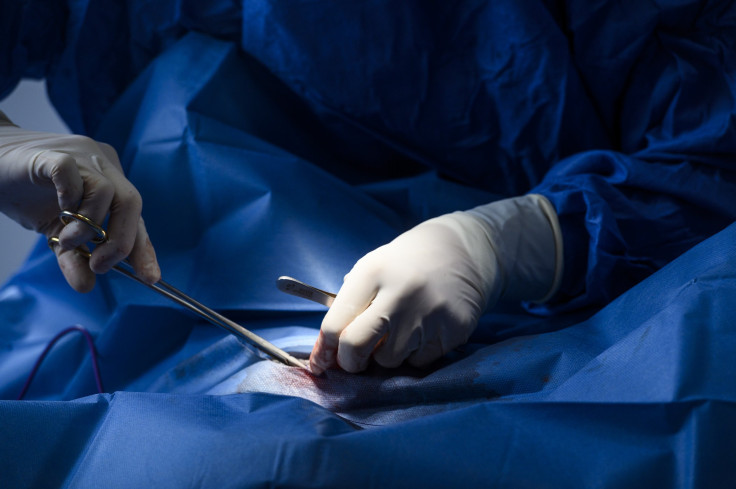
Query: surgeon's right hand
[42, 174]
[419, 296]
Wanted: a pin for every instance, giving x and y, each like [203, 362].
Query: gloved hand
[422, 294]
[42, 174]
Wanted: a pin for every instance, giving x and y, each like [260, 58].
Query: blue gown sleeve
[31, 38]
[90, 51]
[671, 182]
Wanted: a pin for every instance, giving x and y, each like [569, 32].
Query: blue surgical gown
[622, 114]
[291, 137]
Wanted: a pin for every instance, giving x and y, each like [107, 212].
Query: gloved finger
[399, 344]
[353, 298]
[427, 353]
[122, 227]
[75, 268]
[143, 256]
[60, 169]
[323, 356]
[111, 156]
[360, 337]
[96, 201]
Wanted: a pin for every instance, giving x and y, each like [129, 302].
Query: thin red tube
[90, 345]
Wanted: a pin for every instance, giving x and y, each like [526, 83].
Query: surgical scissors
[174, 294]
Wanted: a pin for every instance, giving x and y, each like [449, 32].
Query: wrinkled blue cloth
[241, 127]
[621, 113]
[639, 395]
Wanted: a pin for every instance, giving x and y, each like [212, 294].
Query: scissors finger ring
[67, 217]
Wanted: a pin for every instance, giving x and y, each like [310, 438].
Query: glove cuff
[551, 214]
[525, 235]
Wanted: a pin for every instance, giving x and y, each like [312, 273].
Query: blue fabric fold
[504, 97]
[241, 142]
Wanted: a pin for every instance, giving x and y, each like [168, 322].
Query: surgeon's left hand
[44, 173]
[421, 295]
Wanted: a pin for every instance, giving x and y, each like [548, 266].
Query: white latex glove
[43, 173]
[422, 294]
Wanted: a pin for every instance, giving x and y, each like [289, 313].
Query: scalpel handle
[300, 289]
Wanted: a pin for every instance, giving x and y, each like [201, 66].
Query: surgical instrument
[300, 289]
[174, 294]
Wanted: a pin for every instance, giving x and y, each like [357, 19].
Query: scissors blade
[174, 294]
